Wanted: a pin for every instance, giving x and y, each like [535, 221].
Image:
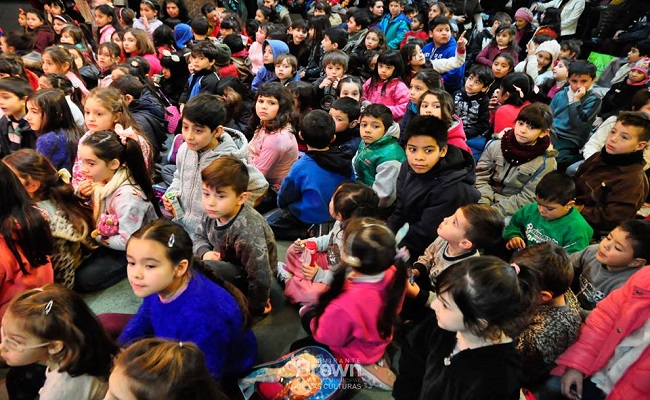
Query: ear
[114, 164]
[466, 244]
[570, 204]
[182, 268]
[242, 198]
[335, 46]
[212, 63]
[637, 262]
[546, 296]
[300, 136]
[545, 133]
[218, 131]
[128, 98]
[443, 151]
[118, 116]
[354, 123]
[333, 139]
[55, 347]
[641, 145]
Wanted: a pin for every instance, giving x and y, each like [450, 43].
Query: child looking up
[15, 132]
[378, 159]
[503, 41]
[233, 238]
[552, 218]
[434, 182]
[345, 112]
[510, 168]
[540, 60]
[386, 86]
[471, 106]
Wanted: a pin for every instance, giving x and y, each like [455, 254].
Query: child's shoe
[283, 274]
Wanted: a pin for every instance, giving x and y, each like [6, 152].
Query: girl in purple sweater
[503, 42]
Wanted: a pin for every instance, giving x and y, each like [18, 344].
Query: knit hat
[642, 65]
[182, 35]
[552, 47]
[234, 42]
[524, 14]
[223, 55]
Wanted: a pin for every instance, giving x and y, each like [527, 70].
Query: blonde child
[503, 42]
[440, 104]
[57, 60]
[386, 86]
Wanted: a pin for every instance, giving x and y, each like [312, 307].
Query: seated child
[619, 97]
[434, 182]
[345, 111]
[271, 49]
[509, 169]
[204, 78]
[335, 65]
[601, 268]
[379, 156]
[443, 45]
[15, 132]
[611, 185]
[574, 110]
[286, 68]
[233, 238]
[552, 218]
[306, 191]
[556, 319]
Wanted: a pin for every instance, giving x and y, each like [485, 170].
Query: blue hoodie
[453, 79]
[267, 74]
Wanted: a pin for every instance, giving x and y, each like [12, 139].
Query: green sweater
[571, 231]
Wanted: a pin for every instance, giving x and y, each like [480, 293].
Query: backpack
[243, 69]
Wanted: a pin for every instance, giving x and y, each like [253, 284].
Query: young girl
[174, 10]
[273, 149]
[423, 81]
[305, 280]
[86, 67]
[72, 97]
[108, 56]
[503, 42]
[350, 86]
[73, 35]
[118, 38]
[482, 303]
[386, 86]
[560, 77]
[255, 51]
[106, 22]
[419, 30]
[440, 104]
[184, 300]
[511, 97]
[53, 325]
[413, 57]
[298, 42]
[317, 26]
[264, 14]
[25, 241]
[69, 217]
[525, 29]
[161, 369]
[163, 40]
[540, 61]
[502, 65]
[48, 114]
[148, 20]
[37, 24]
[355, 318]
[137, 43]
[125, 17]
[57, 60]
[58, 23]
[375, 40]
[173, 77]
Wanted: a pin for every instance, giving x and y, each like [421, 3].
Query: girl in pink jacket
[386, 86]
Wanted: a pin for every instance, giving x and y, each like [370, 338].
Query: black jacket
[28, 137]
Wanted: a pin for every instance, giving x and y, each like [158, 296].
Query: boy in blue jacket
[394, 24]
[443, 45]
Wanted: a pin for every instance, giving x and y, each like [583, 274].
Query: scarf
[635, 157]
[518, 154]
[102, 191]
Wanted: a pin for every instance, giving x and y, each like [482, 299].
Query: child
[619, 97]
[350, 86]
[205, 139]
[617, 70]
[601, 268]
[471, 106]
[345, 112]
[297, 44]
[255, 52]
[53, 325]
[379, 156]
[161, 369]
[317, 26]
[273, 149]
[137, 43]
[174, 10]
[482, 303]
[56, 81]
[560, 76]
[15, 132]
[57, 60]
[286, 68]
[148, 20]
[355, 318]
[418, 25]
[37, 24]
[306, 190]
[48, 114]
[434, 182]
[185, 301]
[503, 42]
[440, 104]
[574, 110]
[511, 98]
[556, 320]
[611, 185]
[570, 49]
[502, 65]
[443, 45]
[510, 168]
[106, 22]
[239, 101]
[540, 60]
[271, 49]
[386, 86]
[335, 65]
[305, 282]
[108, 56]
[394, 24]
[357, 24]
[233, 238]
[483, 38]
[525, 29]
[204, 78]
[611, 327]
[552, 218]
[70, 219]
[423, 81]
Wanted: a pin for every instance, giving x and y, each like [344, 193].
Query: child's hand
[124, 134]
[212, 255]
[325, 83]
[309, 272]
[572, 377]
[145, 22]
[530, 48]
[580, 93]
[516, 243]
[86, 188]
[412, 289]
[167, 204]
[461, 42]
[298, 246]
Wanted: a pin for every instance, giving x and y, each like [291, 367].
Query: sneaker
[375, 376]
[303, 310]
[283, 275]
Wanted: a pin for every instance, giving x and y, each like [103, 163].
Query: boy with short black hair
[611, 185]
[552, 218]
[286, 68]
[570, 49]
[204, 79]
[574, 110]
[346, 111]
[357, 30]
[15, 132]
[394, 24]
[200, 27]
[435, 181]
[233, 239]
[443, 45]
[471, 106]
[334, 38]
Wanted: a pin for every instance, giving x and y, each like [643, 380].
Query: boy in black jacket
[15, 132]
[204, 77]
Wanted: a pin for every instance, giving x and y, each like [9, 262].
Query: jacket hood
[278, 47]
[393, 130]
[450, 43]
[456, 166]
[231, 143]
[333, 160]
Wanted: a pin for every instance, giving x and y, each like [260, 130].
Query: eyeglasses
[10, 344]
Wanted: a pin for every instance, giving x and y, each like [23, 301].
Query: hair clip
[170, 242]
[175, 58]
[48, 307]
[166, 53]
[134, 63]
[516, 267]
[521, 93]
[64, 175]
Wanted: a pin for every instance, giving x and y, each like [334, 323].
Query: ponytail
[134, 161]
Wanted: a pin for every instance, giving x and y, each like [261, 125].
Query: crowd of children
[469, 194]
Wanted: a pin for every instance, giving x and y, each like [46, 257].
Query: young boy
[334, 38]
[570, 49]
[553, 218]
[306, 191]
[620, 96]
[471, 106]
[418, 30]
[271, 49]
[286, 68]
[205, 140]
[379, 156]
[345, 112]
[617, 70]
[335, 64]
[434, 182]
[200, 27]
[443, 45]
[15, 133]
[357, 30]
[205, 78]
[282, 11]
[233, 238]
[601, 268]
[574, 109]
[611, 185]
[556, 319]
[298, 42]
[394, 24]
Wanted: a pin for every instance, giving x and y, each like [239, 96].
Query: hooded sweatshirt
[187, 178]
[267, 74]
[454, 78]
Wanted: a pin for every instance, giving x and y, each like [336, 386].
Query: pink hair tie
[516, 267]
[521, 93]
